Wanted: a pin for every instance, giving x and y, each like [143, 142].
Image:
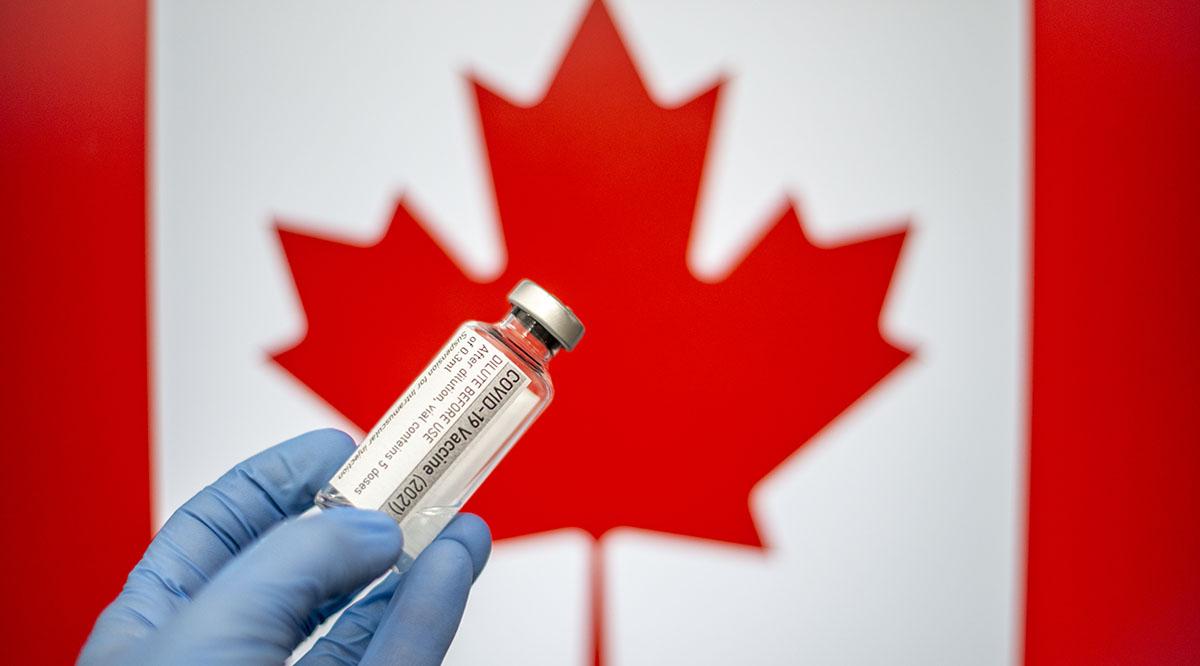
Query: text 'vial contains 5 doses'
[449, 429]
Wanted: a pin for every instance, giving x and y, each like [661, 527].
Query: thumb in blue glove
[232, 579]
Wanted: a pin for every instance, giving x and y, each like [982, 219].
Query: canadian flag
[804, 424]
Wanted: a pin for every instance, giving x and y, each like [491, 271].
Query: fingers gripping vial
[461, 415]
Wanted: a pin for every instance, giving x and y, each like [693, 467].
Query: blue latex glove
[230, 579]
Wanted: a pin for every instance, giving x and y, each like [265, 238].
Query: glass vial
[450, 428]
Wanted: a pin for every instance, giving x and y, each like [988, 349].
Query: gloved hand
[230, 579]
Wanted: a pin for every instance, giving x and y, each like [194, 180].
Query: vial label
[469, 384]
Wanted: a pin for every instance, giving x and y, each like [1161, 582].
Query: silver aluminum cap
[556, 318]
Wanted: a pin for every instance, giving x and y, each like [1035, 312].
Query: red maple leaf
[684, 394]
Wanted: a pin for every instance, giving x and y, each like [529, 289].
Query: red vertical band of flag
[73, 347]
[1114, 522]
[1114, 497]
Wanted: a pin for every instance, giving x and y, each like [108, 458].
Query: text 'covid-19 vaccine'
[449, 429]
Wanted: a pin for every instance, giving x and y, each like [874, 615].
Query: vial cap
[556, 318]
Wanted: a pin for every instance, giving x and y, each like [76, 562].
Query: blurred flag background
[891, 307]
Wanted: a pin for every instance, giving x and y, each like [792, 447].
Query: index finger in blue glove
[419, 623]
[215, 525]
[349, 637]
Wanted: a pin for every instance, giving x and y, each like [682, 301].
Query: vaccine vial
[450, 428]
